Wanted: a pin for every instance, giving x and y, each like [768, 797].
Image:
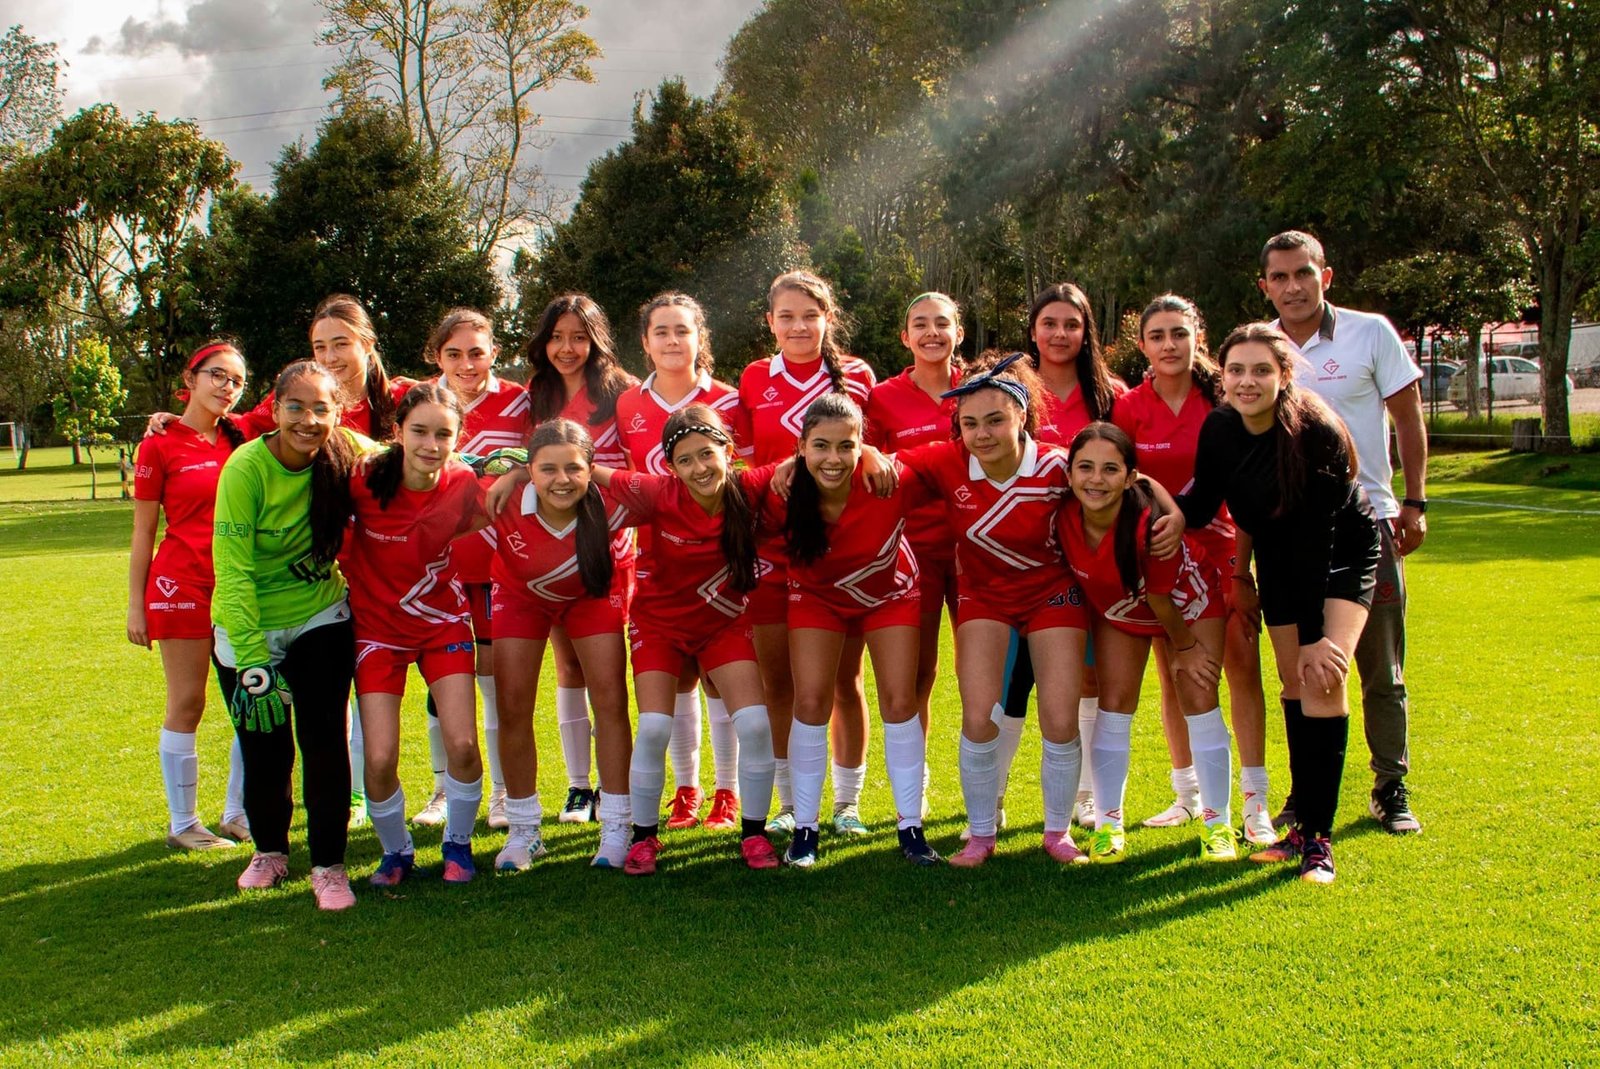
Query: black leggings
[1019, 682]
[318, 668]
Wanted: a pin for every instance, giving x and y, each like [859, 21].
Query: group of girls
[1051, 535]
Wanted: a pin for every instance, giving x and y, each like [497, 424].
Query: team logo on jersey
[962, 494]
[515, 541]
[1330, 368]
[636, 425]
[167, 585]
[770, 394]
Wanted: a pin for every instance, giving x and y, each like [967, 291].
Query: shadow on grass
[707, 956]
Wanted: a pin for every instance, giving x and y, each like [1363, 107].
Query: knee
[653, 734]
[462, 750]
[753, 728]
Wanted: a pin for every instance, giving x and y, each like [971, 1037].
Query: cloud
[209, 27]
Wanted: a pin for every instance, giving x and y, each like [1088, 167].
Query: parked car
[1436, 376]
[1516, 378]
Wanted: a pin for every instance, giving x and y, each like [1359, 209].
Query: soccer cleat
[613, 849]
[1390, 805]
[393, 868]
[1285, 817]
[1176, 815]
[914, 845]
[1059, 845]
[237, 829]
[580, 806]
[1287, 848]
[1108, 846]
[358, 814]
[1316, 860]
[199, 837]
[999, 823]
[847, 820]
[331, 888]
[978, 849]
[758, 851]
[724, 815]
[1219, 842]
[686, 808]
[497, 809]
[1083, 812]
[783, 822]
[458, 866]
[522, 849]
[802, 852]
[431, 815]
[1258, 829]
[264, 871]
[641, 859]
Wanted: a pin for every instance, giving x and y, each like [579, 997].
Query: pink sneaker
[641, 859]
[758, 852]
[331, 888]
[1059, 845]
[264, 871]
[977, 850]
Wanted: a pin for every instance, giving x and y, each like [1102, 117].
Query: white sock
[724, 745]
[647, 771]
[572, 719]
[1253, 785]
[1058, 774]
[1185, 787]
[358, 752]
[781, 781]
[808, 763]
[847, 784]
[905, 753]
[461, 808]
[980, 783]
[233, 801]
[616, 807]
[180, 774]
[1010, 740]
[756, 763]
[437, 759]
[1213, 764]
[491, 732]
[1109, 762]
[1088, 712]
[524, 815]
[686, 739]
[389, 821]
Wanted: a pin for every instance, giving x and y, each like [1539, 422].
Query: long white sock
[1213, 764]
[756, 763]
[782, 782]
[572, 719]
[180, 774]
[647, 771]
[1109, 761]
[847, 784]
[1253, 785]
[1088, 712]
[358, 752]
[1009, 742]
[491, 732]
[980, 783]
[1185, 785]
[724, 744]
[808, 763]
[1058, 774]
[686, 739]
[905, 752]
[389, 821]
[461, 808]
[233, 801]
[437, 759]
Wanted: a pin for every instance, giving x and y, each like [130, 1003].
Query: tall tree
[88, 398]
[30, 93]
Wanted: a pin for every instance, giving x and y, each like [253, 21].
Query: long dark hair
[603, 377]
[704, 361]
[330, 470]
[197, 362]
[1094, 376]
[349, 311]
[805, 534]
[738, 515]
[386, 471]
[1135, 499]
[593, 537]
[1203, 371]
[813, 286]
[1293, 411]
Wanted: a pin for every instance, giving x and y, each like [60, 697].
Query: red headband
[206, 352]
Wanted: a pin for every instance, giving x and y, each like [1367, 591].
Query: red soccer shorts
[176, 608]
[519, 615]
[381, 669]
[809, 610]
[657, 648]
[1059, 604]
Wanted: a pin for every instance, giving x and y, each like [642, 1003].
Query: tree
[462, 77]
[89, 395]
[30, 93]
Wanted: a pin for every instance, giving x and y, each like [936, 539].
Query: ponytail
[805, 533]
[738, 513]
[1135, 500]
[593, 536]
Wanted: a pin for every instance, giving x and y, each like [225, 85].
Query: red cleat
[724, 815]
[686, 808]
[758, 852]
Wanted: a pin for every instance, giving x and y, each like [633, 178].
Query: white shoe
[1179, 813]
[497, 809]
[613, 849]
[1083, 811]
[999, 822]
[523, 847]
[1258, 828]
[431, 815]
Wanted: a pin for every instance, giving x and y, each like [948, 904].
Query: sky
[251, 70]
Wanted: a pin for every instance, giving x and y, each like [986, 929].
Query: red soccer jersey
[1063, 419]
[1188, 581]
[358, 417]
[776, 394]
[1006, 548]
[496, 419]
[901, 415]
[534, 557]
[607, 440]
[868, 561]
[179, 469]
[403, 590]
[683, 574]
[1165, 442]
[642, 414]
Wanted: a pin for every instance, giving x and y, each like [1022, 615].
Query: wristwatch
[1420, 504]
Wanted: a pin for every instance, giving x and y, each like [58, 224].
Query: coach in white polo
[1356, 362]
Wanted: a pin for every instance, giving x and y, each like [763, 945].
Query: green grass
[1473, 942]
[51, 476]
[1449, 429]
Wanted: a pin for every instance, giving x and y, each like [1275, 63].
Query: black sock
[749, 827]
[1326, 740]
[641, 832]
[433, 710]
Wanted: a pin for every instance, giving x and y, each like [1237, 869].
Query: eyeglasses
[295, 410]
[221, 378]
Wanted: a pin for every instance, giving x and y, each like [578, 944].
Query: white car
[1516, 378]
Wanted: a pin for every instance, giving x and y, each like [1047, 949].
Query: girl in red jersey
[851, 573]
[1138, 597]
[410, 503]
[574, 373]
[695, 573]
[556, 569]
[805, 321]
[1163, 416]
[169, 598]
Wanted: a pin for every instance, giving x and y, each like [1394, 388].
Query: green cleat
[1219, 842]
[1108, 846]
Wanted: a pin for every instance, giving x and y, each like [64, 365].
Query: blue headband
[992, 379]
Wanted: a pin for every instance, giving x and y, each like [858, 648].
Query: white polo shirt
[1354, 361]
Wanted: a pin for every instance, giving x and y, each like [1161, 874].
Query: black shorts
[1288, 592]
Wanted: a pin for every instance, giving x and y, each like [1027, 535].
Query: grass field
[1475, 942]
